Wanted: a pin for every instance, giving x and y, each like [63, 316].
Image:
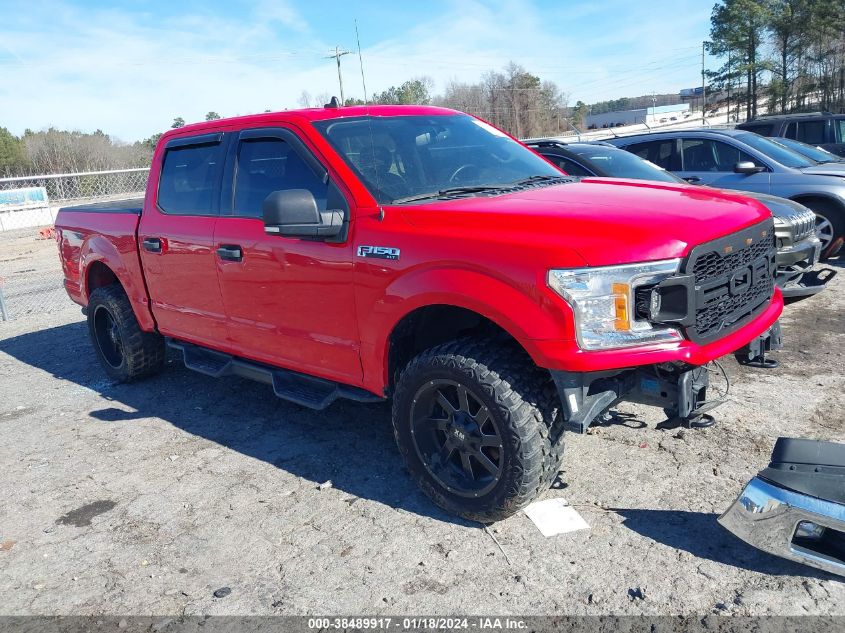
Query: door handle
[230, 253]
[692, 179]
[152, 244]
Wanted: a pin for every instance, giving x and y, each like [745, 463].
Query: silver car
[798, 245]
[736, 159]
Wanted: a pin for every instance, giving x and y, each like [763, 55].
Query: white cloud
[130, 73]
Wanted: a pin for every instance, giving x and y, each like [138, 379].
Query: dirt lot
[148, 498]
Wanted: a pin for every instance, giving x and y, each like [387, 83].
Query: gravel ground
[149, 498]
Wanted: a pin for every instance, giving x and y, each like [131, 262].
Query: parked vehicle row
[823, 129]
[419, 254]
[737, 159]
[799, 247]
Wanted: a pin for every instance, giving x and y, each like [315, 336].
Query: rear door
[710, 162]
[176, 240]
[289, 301]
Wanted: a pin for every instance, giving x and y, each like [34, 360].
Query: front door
[709, 162]
[175, 237]
[289, 301]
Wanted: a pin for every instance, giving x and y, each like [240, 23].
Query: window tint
[188, 175]
[267, 165]
[658, 152]
[811, 132]
[708, 155]
[570, 167]
[790, 130]
[841, 136]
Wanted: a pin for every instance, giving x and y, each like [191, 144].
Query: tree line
[786, 55]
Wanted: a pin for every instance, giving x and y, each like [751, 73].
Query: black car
[599, 159]
[822, 129]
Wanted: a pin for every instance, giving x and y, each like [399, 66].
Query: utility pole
[703, 85]
[336, 56]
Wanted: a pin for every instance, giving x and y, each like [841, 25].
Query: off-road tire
[520, 396]
[143, 353]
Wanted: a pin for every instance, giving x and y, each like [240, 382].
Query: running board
[302, 389]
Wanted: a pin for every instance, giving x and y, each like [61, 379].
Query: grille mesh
[732, 286]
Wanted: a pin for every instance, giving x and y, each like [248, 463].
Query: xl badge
[381, 252]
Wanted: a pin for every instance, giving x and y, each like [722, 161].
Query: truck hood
[606, 221]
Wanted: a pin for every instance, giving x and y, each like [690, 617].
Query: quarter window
[188, 176]
[267, 165]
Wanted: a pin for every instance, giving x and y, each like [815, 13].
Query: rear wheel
[125, 351]
[479, 428]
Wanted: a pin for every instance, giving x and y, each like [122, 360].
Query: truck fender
[99, 249]
[527, 314]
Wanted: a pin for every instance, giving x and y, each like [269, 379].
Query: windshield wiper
[453, 191]
[539, 178]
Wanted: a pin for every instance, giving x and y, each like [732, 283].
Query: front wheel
[479, 428]
[830, 226]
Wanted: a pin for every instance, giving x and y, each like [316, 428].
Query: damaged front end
[795, 508]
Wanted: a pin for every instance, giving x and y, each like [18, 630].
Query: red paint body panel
[108, 238]
[317, 308]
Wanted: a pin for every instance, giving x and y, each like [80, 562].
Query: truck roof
[312, 114]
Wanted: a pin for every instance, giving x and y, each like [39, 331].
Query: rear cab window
[190, 175]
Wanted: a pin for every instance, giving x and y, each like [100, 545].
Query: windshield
[401, 157]
[619, 163]
[781, 154]
[810, 151]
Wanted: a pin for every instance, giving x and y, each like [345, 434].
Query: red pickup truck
[419, 254]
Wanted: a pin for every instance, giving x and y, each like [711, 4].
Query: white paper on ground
[555, 516]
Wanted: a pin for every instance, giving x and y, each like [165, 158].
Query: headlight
[602, 299]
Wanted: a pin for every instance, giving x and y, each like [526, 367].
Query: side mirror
[294, 213]
[747, 167]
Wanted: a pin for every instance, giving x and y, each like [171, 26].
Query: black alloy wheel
[456, 438]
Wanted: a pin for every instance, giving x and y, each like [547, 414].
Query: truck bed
[103, 233]
[129, 205]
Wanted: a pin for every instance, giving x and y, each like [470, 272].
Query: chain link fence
[31, 277]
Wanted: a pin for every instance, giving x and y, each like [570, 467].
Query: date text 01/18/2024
[418, 623]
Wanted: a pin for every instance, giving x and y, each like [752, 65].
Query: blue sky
[128, 68]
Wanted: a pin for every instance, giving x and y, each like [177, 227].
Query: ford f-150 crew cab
[420, 254]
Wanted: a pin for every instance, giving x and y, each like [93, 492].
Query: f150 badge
[381, 252]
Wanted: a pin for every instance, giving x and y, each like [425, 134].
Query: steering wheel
[460, 173]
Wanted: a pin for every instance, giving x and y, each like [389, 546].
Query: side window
[812, 132]
[658, 152]
[265, 165]
[570, 167]
[727, 156]
[698, 155]
[709, 155]
[188, 177]
[790, 130]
